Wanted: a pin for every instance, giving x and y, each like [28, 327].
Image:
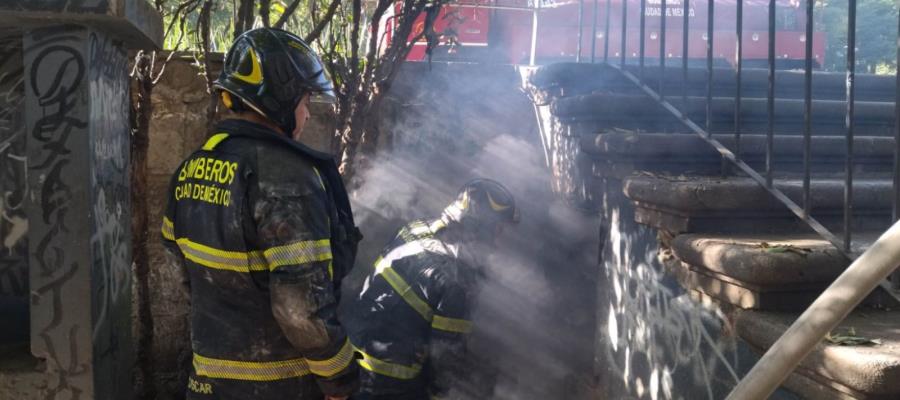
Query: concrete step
[832, 371]
[592, 112]
[623, 152]
[681, 204]
[755, 271]
[581, 78]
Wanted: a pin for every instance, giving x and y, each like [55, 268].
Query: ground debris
[783, 248]
[850, 339]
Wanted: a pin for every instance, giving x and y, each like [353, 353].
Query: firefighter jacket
[410, 321]
[265, 233]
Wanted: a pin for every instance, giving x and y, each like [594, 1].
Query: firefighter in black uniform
[263, 232]
[411, 319]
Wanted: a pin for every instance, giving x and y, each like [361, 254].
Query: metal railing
[830, 309]
[801, 209]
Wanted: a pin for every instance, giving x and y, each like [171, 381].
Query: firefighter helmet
[269, 71]
[480, 206]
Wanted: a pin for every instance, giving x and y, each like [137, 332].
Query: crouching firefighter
[263, 232]
[411, 320]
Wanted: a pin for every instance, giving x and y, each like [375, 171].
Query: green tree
[876, 34]
[348, 34]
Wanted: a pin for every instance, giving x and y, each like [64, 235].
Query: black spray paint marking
[57, 75]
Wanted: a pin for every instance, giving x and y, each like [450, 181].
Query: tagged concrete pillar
[77, 127]
[66, 212]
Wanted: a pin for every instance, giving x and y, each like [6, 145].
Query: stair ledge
[799, 259]
[656, 146]
[696, 193]
[870, 372]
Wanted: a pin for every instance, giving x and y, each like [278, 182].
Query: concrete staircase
[725, 239]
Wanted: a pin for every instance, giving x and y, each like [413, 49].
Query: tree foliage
[349, 35]
[876, 34]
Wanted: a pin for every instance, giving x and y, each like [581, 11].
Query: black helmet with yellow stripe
[480, 206]
[269, 71]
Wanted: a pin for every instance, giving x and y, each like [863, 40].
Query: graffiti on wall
[13, 174]
[55, 102]
[660, 343]
[110, 242]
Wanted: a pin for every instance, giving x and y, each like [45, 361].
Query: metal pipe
[594, 32]
[534, 28]
[770, 105]
[606, 33]
[684, 52]
[807, 109]
[643, 36]
[832, 306]
[580, 30]
[662, 49]
[895, 278]
[739, 50]
[729, 155]
[710, 18]
[851, 97]
[624, 31]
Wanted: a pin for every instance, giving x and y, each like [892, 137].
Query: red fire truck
[501, 31]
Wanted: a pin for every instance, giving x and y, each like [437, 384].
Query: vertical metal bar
[580, 30]
[851, 97]
[534, 29]
[807, 109]
[896, 213]
[662, 49]
[624, 30]
[684, 53]
[606, 32]
[710, 18]
[594, 32]
[895, 278]
[642, 39]
[739, 60]
[770, 98]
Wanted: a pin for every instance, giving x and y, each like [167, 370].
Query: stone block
[618, 153]
[735, 204]
[860, 372]
[134, 22]
[769, 272]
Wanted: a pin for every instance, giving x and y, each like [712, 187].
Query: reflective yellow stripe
[333, 365]
[214, 141]
[255, 77]
[385, 368]
[222, 259]
[321, 182]
[168, 229]
[303, 252]
[451, 324]
[405, 291]
[250, 370]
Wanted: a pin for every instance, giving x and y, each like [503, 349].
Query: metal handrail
[871, 268]
[832, 306]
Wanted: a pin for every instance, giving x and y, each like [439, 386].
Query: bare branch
[287, 14]
[264, 11]
[326, 19]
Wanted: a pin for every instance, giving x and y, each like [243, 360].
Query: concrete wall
[654, 341]
[66, 266]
